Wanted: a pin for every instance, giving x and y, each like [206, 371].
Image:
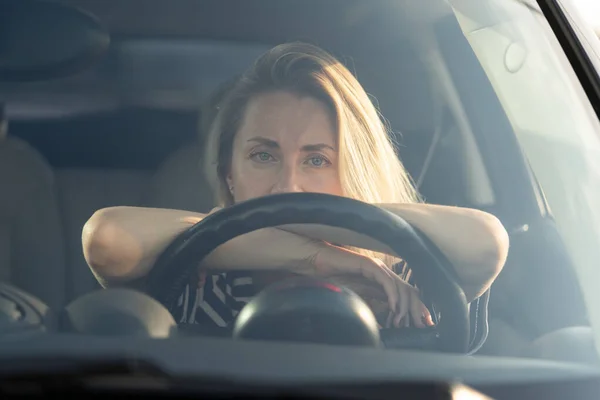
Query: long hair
[369, 167]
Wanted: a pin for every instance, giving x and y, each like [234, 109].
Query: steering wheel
[434, 273]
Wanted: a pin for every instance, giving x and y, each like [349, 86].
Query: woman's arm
[474, 242]
[121, 245]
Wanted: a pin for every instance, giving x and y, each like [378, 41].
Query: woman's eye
[262, 156]
[318, 161]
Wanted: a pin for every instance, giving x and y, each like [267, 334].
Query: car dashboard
[34, 343]
[287, 366]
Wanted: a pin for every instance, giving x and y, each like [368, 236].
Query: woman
[298, 121]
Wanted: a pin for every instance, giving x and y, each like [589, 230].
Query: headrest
[180, 184]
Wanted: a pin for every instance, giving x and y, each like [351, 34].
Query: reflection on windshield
[554, 123]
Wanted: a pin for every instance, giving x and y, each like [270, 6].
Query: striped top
[213, 302]
[216, 300]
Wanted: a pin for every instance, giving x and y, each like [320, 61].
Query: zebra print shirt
[212, 303]
[216, 300]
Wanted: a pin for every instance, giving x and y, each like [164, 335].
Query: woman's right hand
[403, 299]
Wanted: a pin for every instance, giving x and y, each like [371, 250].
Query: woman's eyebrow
[264, 141]
[307, 148]
[317, 147]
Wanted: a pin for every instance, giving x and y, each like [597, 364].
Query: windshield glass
[135, 174]
[552, 118]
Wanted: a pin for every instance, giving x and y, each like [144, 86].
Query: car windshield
[554, 123]
[481, 104]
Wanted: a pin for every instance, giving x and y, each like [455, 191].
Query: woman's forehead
[288, 119]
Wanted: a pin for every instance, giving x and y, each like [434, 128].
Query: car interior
[130, 131]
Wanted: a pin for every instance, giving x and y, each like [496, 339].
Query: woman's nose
[288, 181]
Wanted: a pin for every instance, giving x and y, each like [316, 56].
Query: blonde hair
[369, 167]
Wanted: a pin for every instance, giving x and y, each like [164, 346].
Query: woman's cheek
[251, 182]
[326, 182]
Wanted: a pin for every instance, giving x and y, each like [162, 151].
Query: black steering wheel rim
[434, 273]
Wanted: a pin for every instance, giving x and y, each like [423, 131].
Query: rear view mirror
[42, 40]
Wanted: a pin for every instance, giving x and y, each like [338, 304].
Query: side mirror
[42, 40]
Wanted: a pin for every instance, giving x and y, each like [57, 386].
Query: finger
[390, 320]
[404, 301]
[372, 269]
[427, 316]
[417, 309]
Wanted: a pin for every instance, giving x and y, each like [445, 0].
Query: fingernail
[429, 320]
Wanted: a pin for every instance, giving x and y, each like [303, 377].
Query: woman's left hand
[411, 307]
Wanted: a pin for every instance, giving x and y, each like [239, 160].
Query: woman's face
[285, 143]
